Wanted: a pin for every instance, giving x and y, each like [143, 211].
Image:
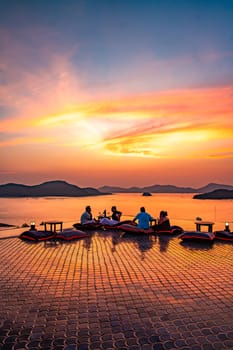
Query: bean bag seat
[36, 236]
[197, 236]
[173, 230]
[224, 236]
[70, 234]
[117, 225]
[135, 229]
[87, 227]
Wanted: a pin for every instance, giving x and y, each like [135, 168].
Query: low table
[209, 224]
[53, 225]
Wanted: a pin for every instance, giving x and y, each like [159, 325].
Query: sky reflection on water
[182, 209]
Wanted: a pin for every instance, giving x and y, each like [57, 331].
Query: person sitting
[163, 222]
[86, 217]
[143, 218]
[114, 220]
[116, 214]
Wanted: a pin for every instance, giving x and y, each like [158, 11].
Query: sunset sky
[116, 92]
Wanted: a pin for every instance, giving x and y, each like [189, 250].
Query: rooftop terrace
[107, 292]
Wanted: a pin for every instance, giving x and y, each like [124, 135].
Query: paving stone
[207, 346]
[145, 347]
[120, 343]
[222, 336]
[9, 346]
[70, 347]
[158, 346]
[96, 345]
[196, 347]
[228, 344]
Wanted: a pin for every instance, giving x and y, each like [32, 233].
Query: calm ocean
[182, 208]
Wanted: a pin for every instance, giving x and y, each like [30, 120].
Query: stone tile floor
[107, 292]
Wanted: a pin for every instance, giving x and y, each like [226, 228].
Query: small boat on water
[197, 236]
[147, 194]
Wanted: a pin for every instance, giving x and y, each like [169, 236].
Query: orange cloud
[161, 124]
[143, 125]
[47, 104]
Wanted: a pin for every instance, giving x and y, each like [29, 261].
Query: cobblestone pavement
[107, 292]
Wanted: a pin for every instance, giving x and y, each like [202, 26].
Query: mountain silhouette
[46, 189]
[213, 186]
[64, 189]
[165, 189]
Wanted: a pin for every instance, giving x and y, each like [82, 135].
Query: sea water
[182, 208]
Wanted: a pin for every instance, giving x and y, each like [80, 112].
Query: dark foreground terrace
[106, 292]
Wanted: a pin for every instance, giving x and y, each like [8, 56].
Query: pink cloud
[34, 85]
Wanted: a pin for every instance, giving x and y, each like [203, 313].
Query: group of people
[143, 219]
[87, 218]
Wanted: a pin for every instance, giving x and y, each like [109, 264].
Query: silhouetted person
[116, 214]
[143, 219]
[163, 222]
[86, 217]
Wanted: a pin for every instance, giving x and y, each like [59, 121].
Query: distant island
[51, 188]
[216, 194]
[6, 225]
[165, 189]
[64, 189]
